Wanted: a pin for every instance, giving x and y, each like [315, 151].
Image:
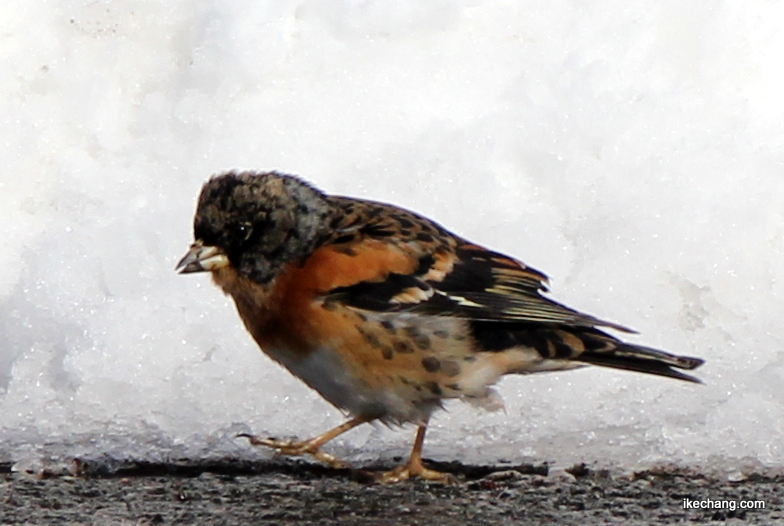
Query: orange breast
[290, 314]
[386, 366]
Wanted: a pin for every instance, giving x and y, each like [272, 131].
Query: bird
[384, 312]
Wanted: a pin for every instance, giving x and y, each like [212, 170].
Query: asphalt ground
[298, 492]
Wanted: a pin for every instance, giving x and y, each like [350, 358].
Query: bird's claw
[409, 471]
[295, 448]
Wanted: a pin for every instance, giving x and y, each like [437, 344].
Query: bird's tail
[565, 347]
[643, 360]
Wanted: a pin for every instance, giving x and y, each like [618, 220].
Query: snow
[631, 150]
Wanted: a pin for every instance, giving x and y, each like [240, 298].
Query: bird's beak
[200, 259]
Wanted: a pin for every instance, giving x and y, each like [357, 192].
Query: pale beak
[201, 259]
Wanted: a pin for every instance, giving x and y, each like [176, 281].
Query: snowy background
[632, 150]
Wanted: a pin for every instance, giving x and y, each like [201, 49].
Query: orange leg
[414, 467]
[309, 447]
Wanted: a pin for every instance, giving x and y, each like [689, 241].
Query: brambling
[385, 313]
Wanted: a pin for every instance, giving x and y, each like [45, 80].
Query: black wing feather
[482, 285]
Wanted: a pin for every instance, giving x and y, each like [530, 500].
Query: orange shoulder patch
[334, 266]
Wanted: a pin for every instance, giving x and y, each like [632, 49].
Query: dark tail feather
[643, 360]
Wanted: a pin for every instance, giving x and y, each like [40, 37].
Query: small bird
[385, 313]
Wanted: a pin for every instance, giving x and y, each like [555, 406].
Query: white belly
[325, 371]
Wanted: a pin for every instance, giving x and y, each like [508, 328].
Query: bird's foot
[297, 448]
[413, 470]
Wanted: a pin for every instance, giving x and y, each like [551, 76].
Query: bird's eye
[244, 231]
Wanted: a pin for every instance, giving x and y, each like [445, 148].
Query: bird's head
[255, 222]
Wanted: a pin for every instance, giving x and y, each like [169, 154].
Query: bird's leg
[414, 467]
[309, 447]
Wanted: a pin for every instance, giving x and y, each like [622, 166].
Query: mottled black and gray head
[259, 222]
